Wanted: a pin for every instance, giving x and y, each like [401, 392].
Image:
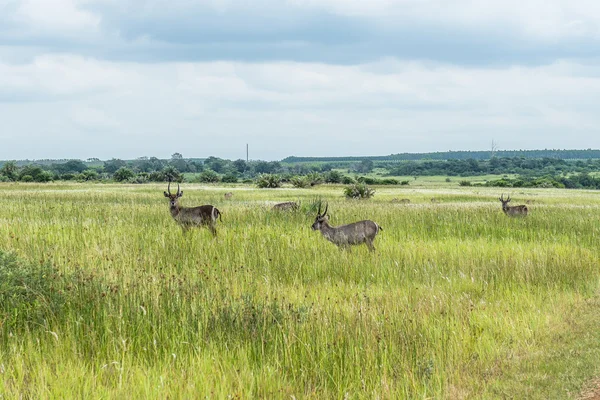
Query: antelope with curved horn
[347, 235]
[192, 216]
[512, 211]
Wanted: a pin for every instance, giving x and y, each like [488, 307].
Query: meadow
[106, 297]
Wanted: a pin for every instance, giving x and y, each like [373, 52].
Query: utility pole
[494, 148]
[246, 152]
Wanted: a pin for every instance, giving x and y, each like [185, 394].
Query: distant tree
[365, 166]
[123, 174]
[170, 173]
[209, 176]
[114, 165]
[216, 164]
[334, 177]
[10, 170]
[34, 173]
[176, 156]
[240, 165]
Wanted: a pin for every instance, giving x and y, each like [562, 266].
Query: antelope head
[173, 198]
[504, 202]
[321, 219]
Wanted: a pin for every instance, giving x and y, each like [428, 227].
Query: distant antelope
[288, 205]
[515, 211]
[192, 216]
[347, 235]
[228, 195]
[401, 201]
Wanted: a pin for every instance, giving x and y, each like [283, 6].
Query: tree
[176, 156]
[240, 165]
[123, 174]
[113, 165]
[209, 176]
[365, 166]
[10, 170]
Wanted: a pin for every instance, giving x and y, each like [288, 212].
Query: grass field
[106, 297]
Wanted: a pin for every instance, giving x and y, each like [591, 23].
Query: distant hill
[459, 155]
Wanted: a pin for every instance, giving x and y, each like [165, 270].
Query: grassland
[459, 301]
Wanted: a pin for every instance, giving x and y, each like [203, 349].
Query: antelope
[288, 205]
[514, 211]
[401, 201]
[347, 235]
[228, 195]
[192, 216]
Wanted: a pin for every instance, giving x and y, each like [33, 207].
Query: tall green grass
[459, 301]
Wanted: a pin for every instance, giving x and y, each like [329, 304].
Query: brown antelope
[228, 196]
[512, 211]
[286, 206]
[347, 235]
[401, 201]
[192, 216]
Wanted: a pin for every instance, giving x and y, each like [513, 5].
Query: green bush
[268, 181]
[464, 183]
[359, 191]
[300, 181]
[348, 180]
[123, 174]
[209, 176]
[229, 178]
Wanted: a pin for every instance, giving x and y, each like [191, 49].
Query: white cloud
[57, 16]
[199, 109]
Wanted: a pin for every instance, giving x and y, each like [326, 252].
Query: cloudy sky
[131, 78]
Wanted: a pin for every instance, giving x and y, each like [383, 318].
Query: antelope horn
[177, 189]
[326, 207]
[319, 212]
[169, 187]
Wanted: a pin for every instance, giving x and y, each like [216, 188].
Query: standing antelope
[514, 211]
[347, 235]
[192, 216]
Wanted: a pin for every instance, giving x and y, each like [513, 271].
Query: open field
[458, 301]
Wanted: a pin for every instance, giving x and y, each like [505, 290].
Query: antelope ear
[180, 194]
[166, 194]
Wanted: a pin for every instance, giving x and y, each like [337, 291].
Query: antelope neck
[174, 210]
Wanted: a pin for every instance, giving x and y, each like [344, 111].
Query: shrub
[334, 177]
[268, 181]
[464, 183]
[208, 176]
[359, 191]
[300, 181]
[348, 180]
[405, 183]
[314, 178]
[229, 178]
[123, 174]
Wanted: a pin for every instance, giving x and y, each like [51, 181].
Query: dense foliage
[302, 174]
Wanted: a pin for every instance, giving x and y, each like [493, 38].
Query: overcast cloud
[125, 78]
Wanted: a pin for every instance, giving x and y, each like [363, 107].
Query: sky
[133, 78]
